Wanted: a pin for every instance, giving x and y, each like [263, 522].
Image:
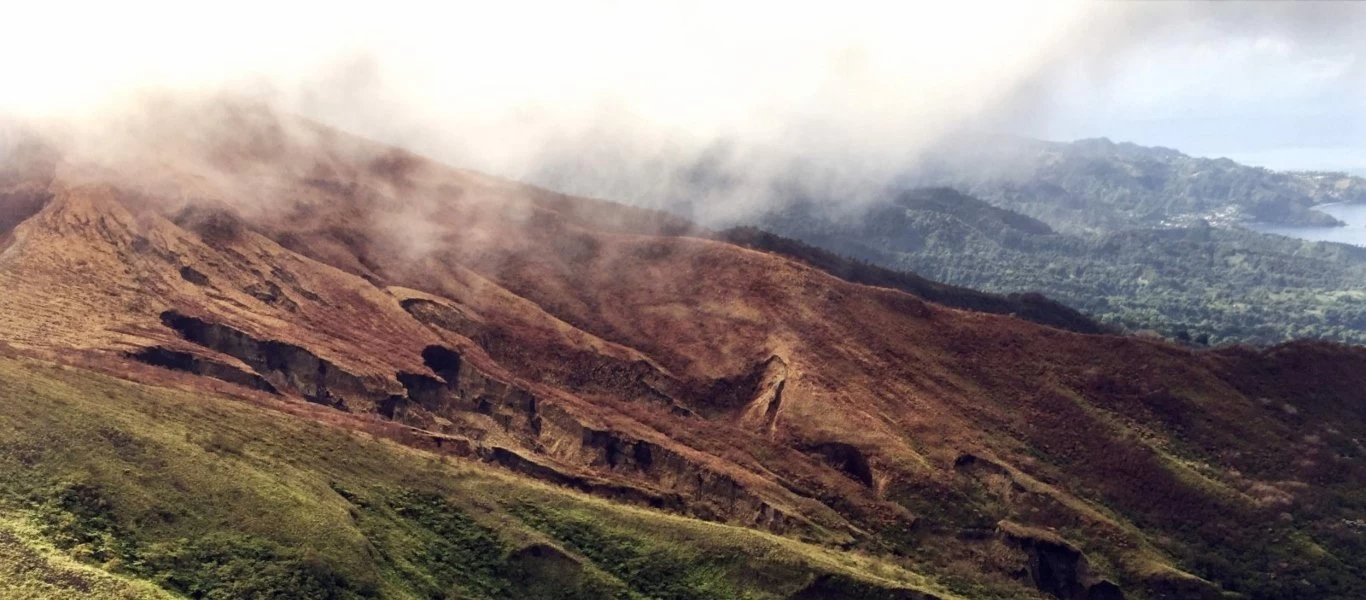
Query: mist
[708, 109]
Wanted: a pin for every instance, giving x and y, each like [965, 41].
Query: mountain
[1141, 238]
[1029, 306]
[1098, 186]
[246, 355]
[1215, 285]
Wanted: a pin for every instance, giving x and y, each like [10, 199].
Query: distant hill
[1096, 185]
[1203, 283]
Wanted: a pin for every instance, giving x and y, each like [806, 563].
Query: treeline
[1032, 306]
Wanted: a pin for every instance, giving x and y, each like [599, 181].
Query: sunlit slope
[630, 356]
[204, 496]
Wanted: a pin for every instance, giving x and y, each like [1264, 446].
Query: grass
[129, 491]
[32, 569]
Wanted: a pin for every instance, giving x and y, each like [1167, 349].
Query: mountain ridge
[1096, 185]
[590, 346]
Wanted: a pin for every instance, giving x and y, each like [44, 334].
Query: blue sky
[1274, 84]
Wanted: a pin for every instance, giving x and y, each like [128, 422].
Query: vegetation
[1201, 284]
[1099, 186]
[1005, 459]
[111, 489]
[1032, 306]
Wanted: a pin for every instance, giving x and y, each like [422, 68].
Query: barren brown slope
[602, 347]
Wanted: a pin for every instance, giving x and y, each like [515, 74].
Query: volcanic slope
[227, 251]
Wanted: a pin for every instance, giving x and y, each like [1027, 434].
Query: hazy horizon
[614, 88]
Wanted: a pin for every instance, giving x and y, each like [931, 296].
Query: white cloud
[702, 69]
[496, 85]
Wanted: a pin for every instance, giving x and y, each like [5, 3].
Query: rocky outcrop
[461, 388]
[1056, 566]
[579, 370]
[768, 393]
[709, 493]
[518, 463]
[846, 458]
[444, 362]
[548, 429]
[192, 275]
[756, 395]
[271, 293]
[190, 363]
[432, 401]
[284, 365]
[713, 495]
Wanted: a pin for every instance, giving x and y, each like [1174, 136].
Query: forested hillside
[1097, 185]
[1206, 284]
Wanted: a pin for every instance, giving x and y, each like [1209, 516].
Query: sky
[867, 85]
[1275, 84]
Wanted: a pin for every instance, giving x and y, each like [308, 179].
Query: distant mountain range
[1097, 186]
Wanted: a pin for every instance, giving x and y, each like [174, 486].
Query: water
[1354, 233]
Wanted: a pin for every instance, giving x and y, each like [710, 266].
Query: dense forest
[1204, 284]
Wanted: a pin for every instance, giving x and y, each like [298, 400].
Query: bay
[1354, 232]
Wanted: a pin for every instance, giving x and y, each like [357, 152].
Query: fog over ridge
[626, 101]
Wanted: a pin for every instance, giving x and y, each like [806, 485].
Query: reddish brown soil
[626, 353]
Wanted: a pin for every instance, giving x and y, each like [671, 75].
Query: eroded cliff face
[283, 365]
[1056, 566]
[480, 416]
[610, 350]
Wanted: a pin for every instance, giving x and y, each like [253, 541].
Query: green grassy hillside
[110, 489]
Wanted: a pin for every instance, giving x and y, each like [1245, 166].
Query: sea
[1354, 233]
